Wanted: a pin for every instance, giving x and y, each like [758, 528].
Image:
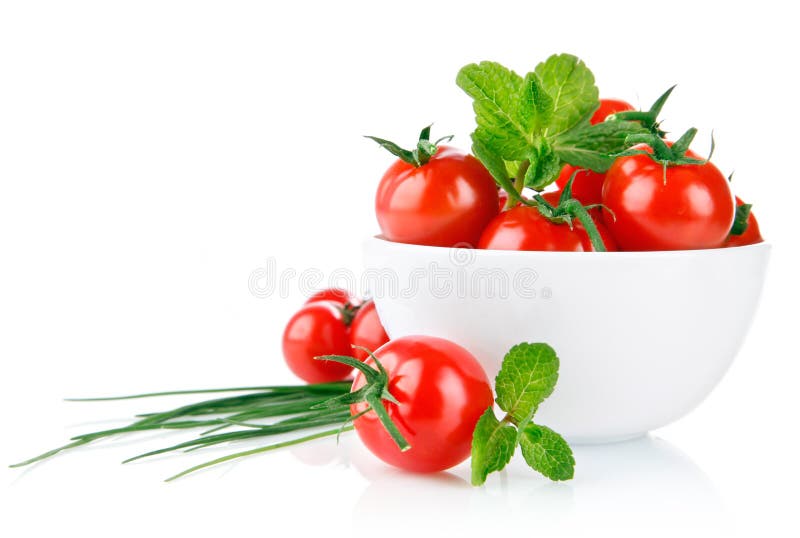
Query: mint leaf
[592, 146]
[501, 108]
[527, 376]
[570, 84]
[544, 166]
[547, 452]
[493, 162]
[540, 100]
[740, 220]
[493, 444]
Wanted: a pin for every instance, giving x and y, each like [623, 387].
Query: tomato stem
[648, 119]
[575, 208]
[567, 209]
[374, 392]
[421, 154]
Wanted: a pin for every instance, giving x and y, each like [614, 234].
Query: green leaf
[500, 106]
[594, 146]
[570, 84]
[544, 166]
[540, 100]
[740, 220]
[527, 376]
[493, 162]
[547, 452]
[493, 444]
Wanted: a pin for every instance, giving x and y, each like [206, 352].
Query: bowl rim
[494, 253]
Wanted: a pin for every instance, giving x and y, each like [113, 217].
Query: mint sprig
[527, 377]
[528, 127]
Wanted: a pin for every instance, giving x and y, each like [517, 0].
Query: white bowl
[643, 337]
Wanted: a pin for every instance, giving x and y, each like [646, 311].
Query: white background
[154, 153]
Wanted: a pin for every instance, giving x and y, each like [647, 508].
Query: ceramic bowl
[642, 337]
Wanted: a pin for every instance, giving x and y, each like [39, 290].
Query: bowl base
[604, 440]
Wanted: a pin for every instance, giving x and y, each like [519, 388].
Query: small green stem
[376, 405]
[519, 179]
[51, 453]
[514, 188]
[576, 209]
[335, 387]
[320, 435]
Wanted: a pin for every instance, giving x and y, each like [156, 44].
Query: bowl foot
[604, 440]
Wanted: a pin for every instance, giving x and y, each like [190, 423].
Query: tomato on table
[441, 391]
[434, 195]
[682, 207]
[317, 329]
[366, 330]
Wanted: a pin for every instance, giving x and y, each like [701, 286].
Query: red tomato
[525, 228]
[447, 201]
[442, 392]
[693, 209]
[587, 187]
[750, 236]
[337, 295]
[366, 331]
[608, 107]
[317, 329]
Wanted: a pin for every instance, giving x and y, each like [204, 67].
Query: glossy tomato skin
[445, 202]
[693, 209]
[442, 392]
[317, 329]
[524, 228]
[336, 295]
[366, 331]
[608, 107]
[587, 187]
[751, 235]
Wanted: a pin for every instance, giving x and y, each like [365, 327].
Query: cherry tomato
[337, 295]
[524, 228]
[692, 209]
[366, 331]
[588, 185]
[445, 202]
[750, 236]
[317, 329]
[608, 107]
[442, 392]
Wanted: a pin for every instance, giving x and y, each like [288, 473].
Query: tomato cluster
[640, 203]
[331, 322]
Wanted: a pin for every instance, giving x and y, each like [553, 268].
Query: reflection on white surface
[623, 484]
